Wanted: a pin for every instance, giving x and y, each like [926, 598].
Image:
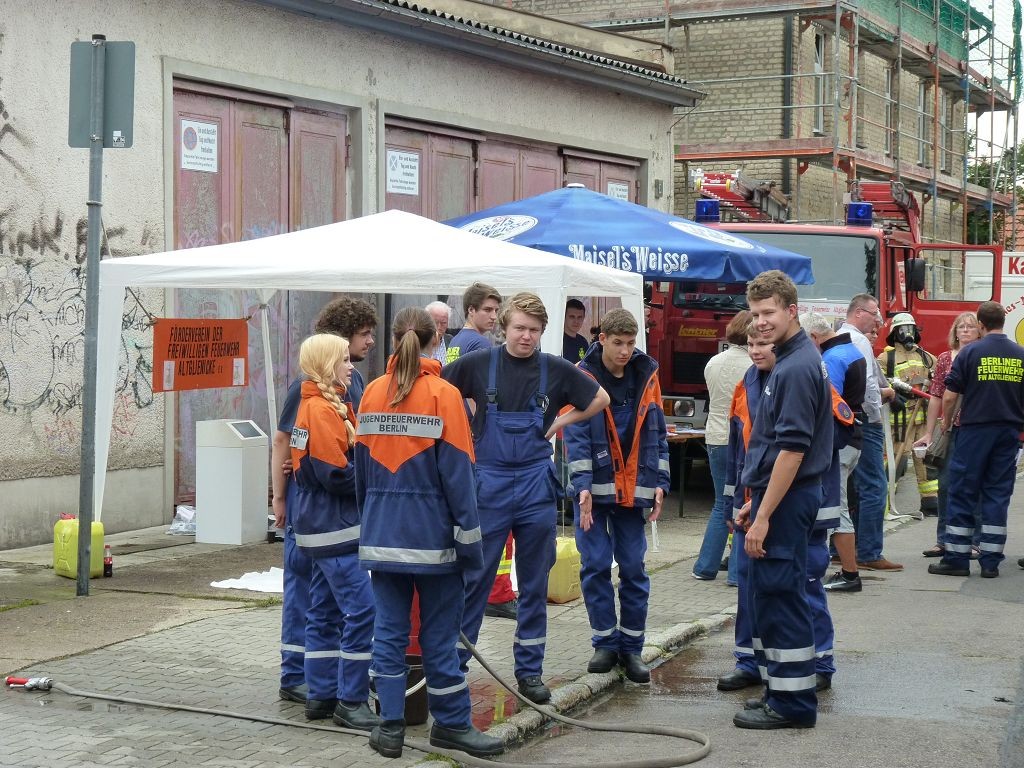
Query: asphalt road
[929, 673]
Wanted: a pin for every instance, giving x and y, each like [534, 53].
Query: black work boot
[533, 688]
[355, 715]
[388, 738]
[467, 739]
[766, 719]
[603, 660]
[296, 693]
[635, 668]
[320, 709]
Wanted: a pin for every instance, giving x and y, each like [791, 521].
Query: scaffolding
[932, 146]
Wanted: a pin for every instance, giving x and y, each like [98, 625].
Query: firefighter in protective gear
[904, 359]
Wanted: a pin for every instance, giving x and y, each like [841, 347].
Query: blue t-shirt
[574, 348]
[989, 373]
[795, 414]
[465, 341]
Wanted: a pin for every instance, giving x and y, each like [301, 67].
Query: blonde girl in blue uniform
[326, 524]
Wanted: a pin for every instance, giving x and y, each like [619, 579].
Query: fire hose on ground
[686, 758]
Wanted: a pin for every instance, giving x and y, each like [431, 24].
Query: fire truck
[878, 251]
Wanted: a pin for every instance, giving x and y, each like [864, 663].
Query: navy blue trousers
[982, 469]
[824, 632]
[298, 570]
[618, 533]
[783, 628]
[441, 601]
[340, 596]
[534, 531]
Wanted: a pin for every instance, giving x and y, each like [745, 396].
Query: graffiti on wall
[42, 316]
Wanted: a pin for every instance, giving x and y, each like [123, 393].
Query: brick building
[811, 94]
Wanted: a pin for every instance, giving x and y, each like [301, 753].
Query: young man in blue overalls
[789, 452]
[618, 465]
[516, 393]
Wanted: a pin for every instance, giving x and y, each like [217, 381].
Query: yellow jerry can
[65, 549]
[564, 578]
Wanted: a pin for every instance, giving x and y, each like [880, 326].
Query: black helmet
[903, 330]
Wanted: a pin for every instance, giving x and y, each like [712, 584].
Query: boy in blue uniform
[790, 450]
[619, 469]
[517, 394]
[990, 375]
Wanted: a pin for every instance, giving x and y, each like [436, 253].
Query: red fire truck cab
[878, 252]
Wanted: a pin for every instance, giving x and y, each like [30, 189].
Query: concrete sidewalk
[158, 631]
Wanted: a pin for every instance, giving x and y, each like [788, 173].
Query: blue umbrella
[589, 226]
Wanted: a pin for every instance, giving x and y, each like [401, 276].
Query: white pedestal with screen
[232, 477]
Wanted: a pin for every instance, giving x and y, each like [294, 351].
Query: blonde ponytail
[414, 333]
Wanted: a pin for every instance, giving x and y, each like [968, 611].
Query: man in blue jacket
[619, 469]
[790, 450]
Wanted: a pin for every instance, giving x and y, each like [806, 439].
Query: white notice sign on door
[198, 146]
[618, 190]
[403, 172]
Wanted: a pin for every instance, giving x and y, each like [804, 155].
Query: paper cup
[920, 451]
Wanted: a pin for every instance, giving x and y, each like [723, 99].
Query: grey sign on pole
[118, 94]
[99, 116]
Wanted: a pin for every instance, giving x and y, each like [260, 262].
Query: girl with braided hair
[326, 524]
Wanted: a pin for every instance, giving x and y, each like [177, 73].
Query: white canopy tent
[390, 252]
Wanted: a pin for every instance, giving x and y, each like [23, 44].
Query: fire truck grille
[688, 367]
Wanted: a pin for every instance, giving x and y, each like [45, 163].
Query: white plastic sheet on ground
[255, 581]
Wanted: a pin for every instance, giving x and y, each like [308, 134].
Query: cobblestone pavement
[230, 660]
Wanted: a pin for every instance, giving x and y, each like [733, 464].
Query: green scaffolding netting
[917, 18]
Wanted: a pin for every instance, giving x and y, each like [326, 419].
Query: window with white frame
[819, 83]
[890, 108]
[924, 141]
[946, 107]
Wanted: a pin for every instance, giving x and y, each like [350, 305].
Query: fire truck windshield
[728, 296]
[844, 264]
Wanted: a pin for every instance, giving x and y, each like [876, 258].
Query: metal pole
[936, 125]
[836, 106]
[897, 97]
[92, 286]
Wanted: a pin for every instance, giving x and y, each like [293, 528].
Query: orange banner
[199, 354]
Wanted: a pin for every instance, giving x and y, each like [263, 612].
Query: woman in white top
[722, 373]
